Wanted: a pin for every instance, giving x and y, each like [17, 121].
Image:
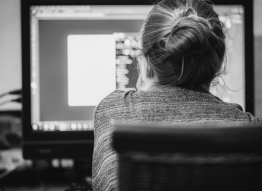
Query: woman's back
[158, 106]
[182, 52]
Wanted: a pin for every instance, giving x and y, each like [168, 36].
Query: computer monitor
[74, 53]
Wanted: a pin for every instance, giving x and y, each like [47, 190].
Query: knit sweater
[159, 106]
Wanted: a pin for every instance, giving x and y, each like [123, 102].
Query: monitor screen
[80, 54]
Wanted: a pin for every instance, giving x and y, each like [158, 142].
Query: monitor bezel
[86, 137]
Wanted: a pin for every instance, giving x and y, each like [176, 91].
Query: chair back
[188, 158]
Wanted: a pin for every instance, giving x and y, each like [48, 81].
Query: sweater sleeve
[104, 159]
[253, 119]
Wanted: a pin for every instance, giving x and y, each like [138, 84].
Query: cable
[14, 92]
[18, 100]
[5, 102]
[2, 188]
[4, 94]
[12, 168]
[8, 171]
[41, 183]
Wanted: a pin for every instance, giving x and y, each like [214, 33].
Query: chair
[182, 158]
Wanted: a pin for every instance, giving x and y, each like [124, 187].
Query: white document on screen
[91, 68]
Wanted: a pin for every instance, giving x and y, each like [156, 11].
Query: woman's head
[183, 43]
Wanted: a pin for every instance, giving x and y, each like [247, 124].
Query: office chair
[188, 158]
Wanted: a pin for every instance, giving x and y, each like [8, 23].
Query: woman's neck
[148, 85]
[152, 85]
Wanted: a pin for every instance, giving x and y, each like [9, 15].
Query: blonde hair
[183, 43]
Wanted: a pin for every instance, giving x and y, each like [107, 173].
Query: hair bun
[190, 35]
[183, 43]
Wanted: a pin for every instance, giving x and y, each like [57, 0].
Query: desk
[39, 175]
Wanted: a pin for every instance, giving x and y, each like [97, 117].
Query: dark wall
[258, 76]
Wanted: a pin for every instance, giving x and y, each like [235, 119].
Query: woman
[182, 52]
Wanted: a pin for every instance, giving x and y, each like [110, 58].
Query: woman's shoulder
[240, 111]
[253, 119]
[117, 98]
